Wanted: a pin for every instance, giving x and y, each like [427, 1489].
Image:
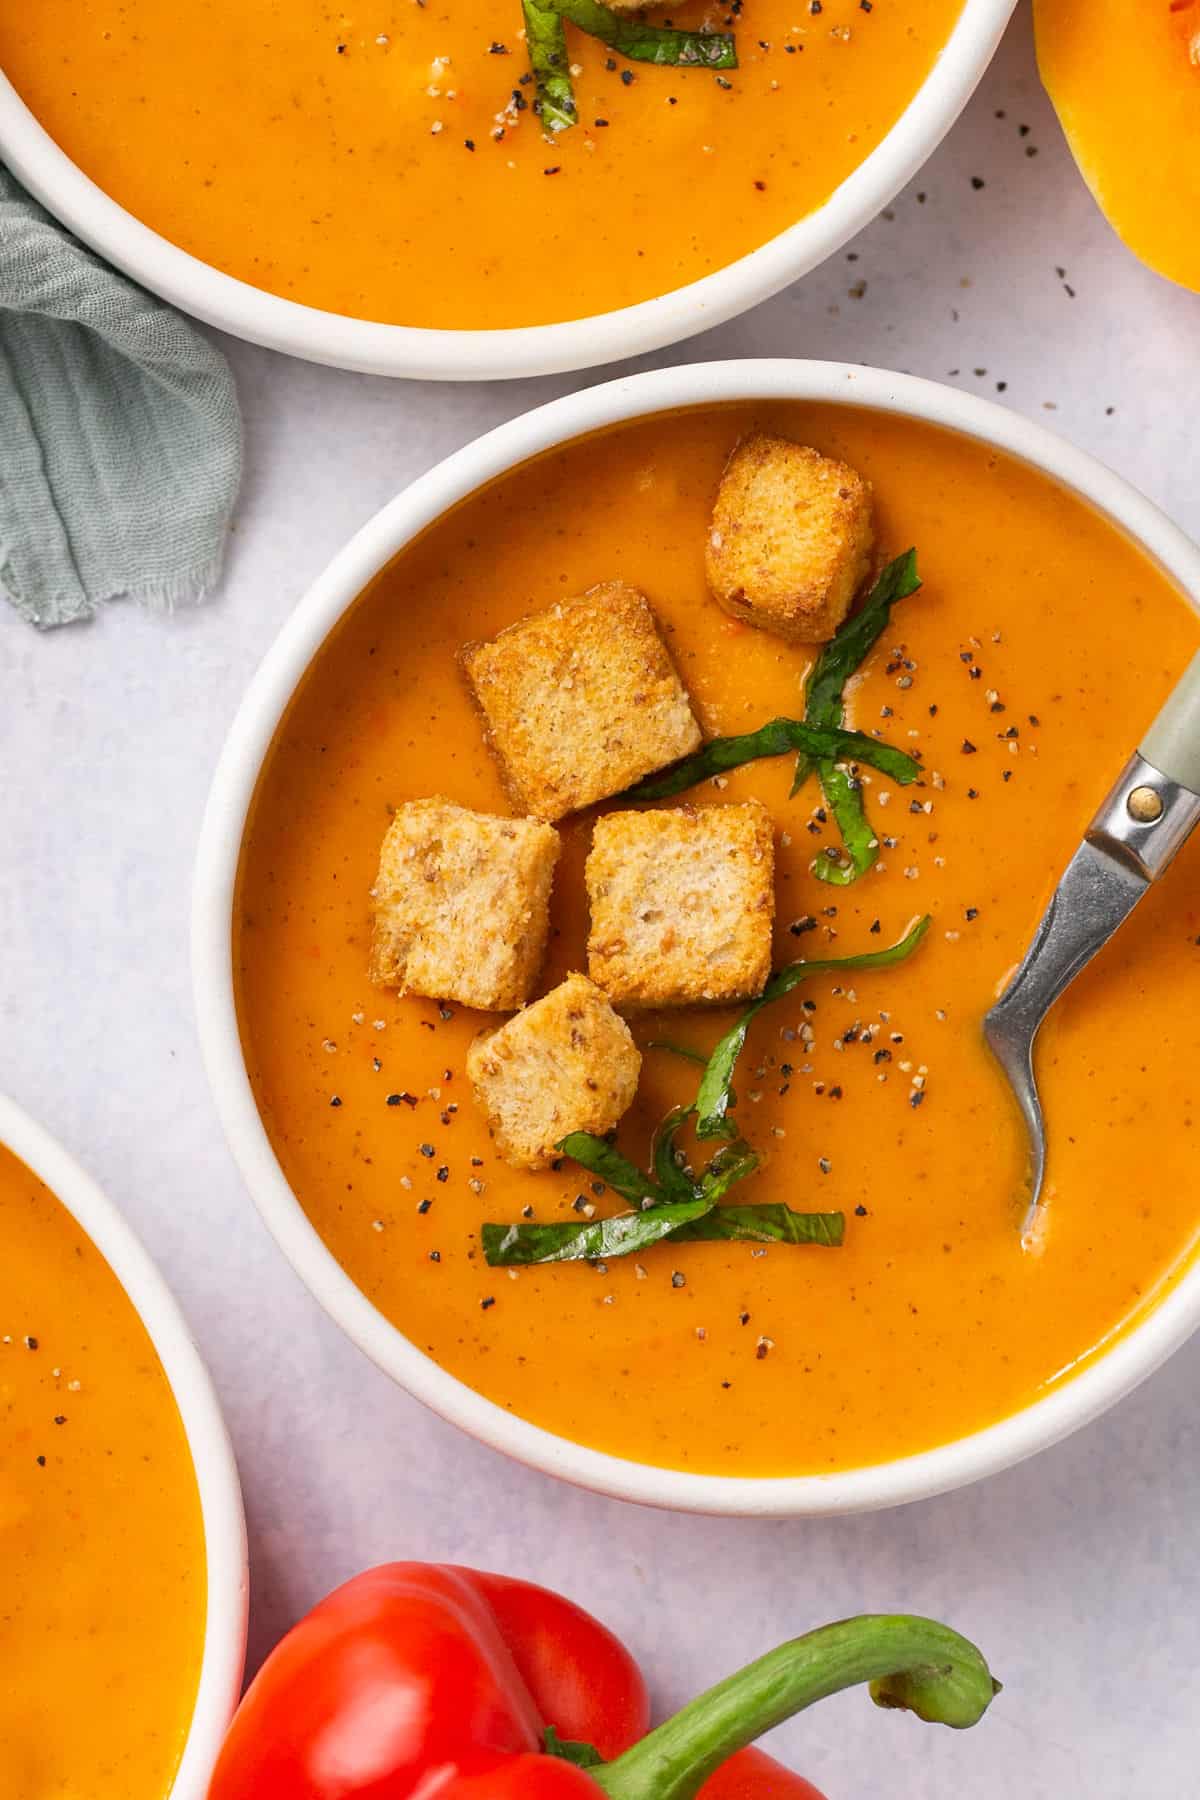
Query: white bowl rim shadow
[480, 355]
[227, 1584]
[1134, 1354]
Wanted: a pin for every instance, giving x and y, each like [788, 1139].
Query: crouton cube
[461, 904]
[791, 538]
[581, 701]
[567, 1063]
[682, 903]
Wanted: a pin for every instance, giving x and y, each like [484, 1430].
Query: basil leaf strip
[546, 40]
[592, 1240]
[513, 1246]
[775, 738]
[639, 42]
[850, 646]
[860, 846]
[767, 1224]
[599, 1156]
[824, 706]
[733, 1163]
[712, 1100]
[673, 1182]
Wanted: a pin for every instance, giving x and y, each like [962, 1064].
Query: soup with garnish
[466, 166]
[101, 1538]
[1002, 694]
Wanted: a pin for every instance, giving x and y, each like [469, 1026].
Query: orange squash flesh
[348, 160]
[1125, 81]
[102, 1590]
[931, 1321]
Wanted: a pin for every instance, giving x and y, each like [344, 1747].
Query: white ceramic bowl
[542, 350]
[1132, 1357]
[216, 1473]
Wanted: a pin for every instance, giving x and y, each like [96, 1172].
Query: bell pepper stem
[910, 1663]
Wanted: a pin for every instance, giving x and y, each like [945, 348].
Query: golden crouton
[567, 1063]
[791, 538]
[461, 904]
[682, 904]
[581, 701]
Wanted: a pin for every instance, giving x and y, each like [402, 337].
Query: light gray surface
[1078, 1573]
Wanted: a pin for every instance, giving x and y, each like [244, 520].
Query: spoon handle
[1146, 817]
[1172, 743]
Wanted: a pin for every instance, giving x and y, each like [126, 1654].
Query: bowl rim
[227, 1582]
[478, 355]
[1133, 1355]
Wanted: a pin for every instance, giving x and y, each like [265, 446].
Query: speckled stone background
[1079, 1572]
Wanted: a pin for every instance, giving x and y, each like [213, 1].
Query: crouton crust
[461, 904]
[682, 904]
[791, 538]
[581, 701]
[566, 1063]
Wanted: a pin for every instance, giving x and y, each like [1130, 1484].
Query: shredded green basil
[546, 40]
[770, 1223]
[599, 1156]
[825, 707]
[639, 42]
[545, 37]
[673, 1182]
[697, 1221]
[587, 1240]
[776, 738]
[674, 1201]
[666, 1201]
[714, 1097]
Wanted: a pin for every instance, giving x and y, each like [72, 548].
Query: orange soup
[1023, 671]
[101, 1540]
[386, 161]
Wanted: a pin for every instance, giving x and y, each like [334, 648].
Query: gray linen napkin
[120, 438]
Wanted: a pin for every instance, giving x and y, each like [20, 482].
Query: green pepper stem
[912, 1663]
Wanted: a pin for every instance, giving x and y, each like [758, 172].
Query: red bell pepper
[424, 1682]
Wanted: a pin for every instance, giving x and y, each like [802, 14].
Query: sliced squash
[1124, 76]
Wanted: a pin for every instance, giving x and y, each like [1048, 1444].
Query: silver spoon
[1148, 815]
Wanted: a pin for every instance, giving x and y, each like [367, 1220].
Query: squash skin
[1128, 98]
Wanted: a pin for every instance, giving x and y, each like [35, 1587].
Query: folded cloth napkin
[120, 440]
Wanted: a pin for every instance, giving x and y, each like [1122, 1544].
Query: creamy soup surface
[1024, 670]
[384, 160]
[101, 1538]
